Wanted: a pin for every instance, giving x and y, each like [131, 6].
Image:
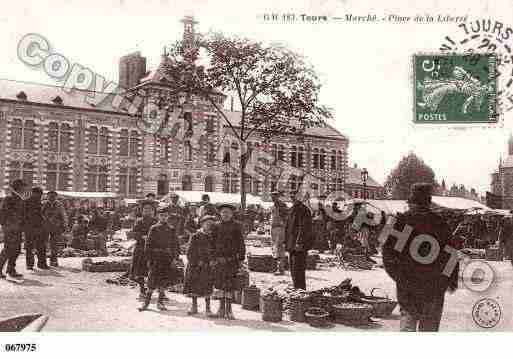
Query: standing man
[35, 231]
[142, 226]
[298, 239]
[421, 284]
[56, 223]
[11, 218]
[179, 211]
[278, 219]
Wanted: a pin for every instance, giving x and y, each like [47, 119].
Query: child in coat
[200, 262]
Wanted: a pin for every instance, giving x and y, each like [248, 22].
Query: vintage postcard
[253, 167]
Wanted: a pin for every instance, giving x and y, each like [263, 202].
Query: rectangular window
[134, 143]
[17, 133]
[29, 135]
[104, 141]
[93, 141]
[123, 180]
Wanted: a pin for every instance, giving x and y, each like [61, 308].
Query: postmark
[485, 36]
[487, 313]
[455, 88]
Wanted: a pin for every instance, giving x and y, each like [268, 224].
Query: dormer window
[21, 96]
[57, 100]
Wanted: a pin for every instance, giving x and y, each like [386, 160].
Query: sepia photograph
[270, 167]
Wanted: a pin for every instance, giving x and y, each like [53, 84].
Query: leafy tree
[411, 169]
[275, 89]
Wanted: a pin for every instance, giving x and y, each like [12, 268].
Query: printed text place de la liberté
[404, 18]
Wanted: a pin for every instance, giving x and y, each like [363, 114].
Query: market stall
[194, 197]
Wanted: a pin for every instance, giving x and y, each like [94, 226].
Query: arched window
[123, 143]
[25, 171]
[134, 143]
[187, 151]
[316, 158]
[162, 185]
[333, 161]
[57, 176]
[93, 140]
[293, 156]
[209, 184]
[301, 157]
[65, 138]
[59, 137]
[29, 135]
[97, 178]
[211, 155]
[23, 134]
[128, 181]
[104, 141]
[186, 183]
[281, 153]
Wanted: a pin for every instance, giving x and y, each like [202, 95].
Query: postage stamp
[455, 88]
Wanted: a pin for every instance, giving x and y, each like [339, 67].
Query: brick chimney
[132, 68]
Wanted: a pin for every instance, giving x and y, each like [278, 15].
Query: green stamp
[455, 88]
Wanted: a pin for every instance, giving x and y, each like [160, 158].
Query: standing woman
[162, 251]
[200, 262]
[229, 252]
[141, 227]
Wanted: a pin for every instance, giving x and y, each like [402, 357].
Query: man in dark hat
[151, 196]
[229, 252]
[298, 239]
[206, 208]
[12, 215]
[56, 222]
[141, 227]
[162, 252]
[421, 284]
[279, 214]
[34, 230]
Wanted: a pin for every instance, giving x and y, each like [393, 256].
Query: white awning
[215, 197]
[458, 203]
[87, 194]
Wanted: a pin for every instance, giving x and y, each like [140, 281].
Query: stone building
[354, 185]
[57, 139]
[502, 178]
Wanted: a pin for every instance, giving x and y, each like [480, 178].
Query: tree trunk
[243, 161]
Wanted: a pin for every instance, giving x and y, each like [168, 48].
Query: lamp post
[365, 177]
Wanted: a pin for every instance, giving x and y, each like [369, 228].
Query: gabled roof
[354, 176]
[328, 131]
[53, 95]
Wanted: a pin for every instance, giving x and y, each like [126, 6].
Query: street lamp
[365, 177]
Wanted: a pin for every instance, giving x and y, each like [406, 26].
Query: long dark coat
[419, 284]
[229, 251]
[298, 229]
[141, 228]
[161, 250]
[199, 273]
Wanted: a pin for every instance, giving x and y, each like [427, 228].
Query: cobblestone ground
[82, 301]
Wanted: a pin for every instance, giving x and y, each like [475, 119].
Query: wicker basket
[297, 308]
[327, 302]
[261, 263]
[354, 313]
[382, 307]
[251, 298]
[272, 310]
[317, 317]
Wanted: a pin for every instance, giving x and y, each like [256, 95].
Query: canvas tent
[215, 197]
[458, 203]
[84, 195]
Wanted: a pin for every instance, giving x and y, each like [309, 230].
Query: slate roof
[47, 94]
[328, 131]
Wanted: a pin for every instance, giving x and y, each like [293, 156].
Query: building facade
[355, 188]
[502, 179]
[58, 140]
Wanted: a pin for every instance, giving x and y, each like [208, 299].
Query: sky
[365, 67]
